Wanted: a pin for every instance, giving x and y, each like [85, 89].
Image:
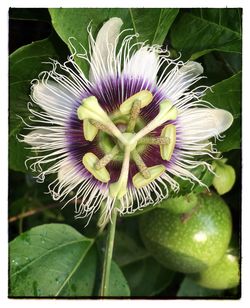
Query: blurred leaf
[23, 204]
[227, 95]
[194, 37]
[25, 65]
[151, 24]
[220, 65]
[189, 289]
[52, 260]
[118, 286]
[226, 17]
[126, 250]
[29, 14]
[147, 277]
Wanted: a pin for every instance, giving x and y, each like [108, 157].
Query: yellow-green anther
[144, 96]
[91, 110]
[140, 164]
[167, 112]
[133, 116]
[89, 161]
[169, 131]
[89, 131]
[107, 158]
[139, 180]
[154, 140]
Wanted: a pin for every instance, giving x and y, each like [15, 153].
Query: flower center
[123, 136]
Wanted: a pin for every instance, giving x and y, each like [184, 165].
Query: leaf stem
[104, 289]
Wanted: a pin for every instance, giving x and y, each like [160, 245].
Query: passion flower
[123, 132]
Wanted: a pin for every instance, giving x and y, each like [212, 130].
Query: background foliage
[51, 254]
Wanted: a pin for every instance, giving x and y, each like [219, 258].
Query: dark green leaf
[29, 14]
[118, 286]
[25, 65]
[126, 250]
[194, 37]
[52, 260]
[189, 289]
[147, 277]
[227, 95]
[151, 24]
[226, 17]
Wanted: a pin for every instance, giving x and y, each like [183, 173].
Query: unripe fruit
[180, 205]
[222, 275]
[225, 177]
[189, 242]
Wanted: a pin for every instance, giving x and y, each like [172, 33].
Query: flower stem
[104, 290]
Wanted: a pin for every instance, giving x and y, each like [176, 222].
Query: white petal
[143, 64]
[53, 98]
[36, 137]
[192, 69]
[68, 174]
[179, 80]
[199, 124]
[103, 55]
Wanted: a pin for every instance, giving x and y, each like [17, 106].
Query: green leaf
[194, 36]
[126, 250]
[227, 95]
[151, 24]
[118, 286]
[52, 260]
[226, 17]
[190, 289]
[25, 65]
[147, 277]
[29, 14]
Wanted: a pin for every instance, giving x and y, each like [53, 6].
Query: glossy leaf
[52, 260]
[151, 24]
[227, 95]
[194, 36]
[25, 65]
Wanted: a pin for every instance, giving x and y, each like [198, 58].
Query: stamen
[119, 188]
[107, 158]
[154, 140]
[167, 112]
[91, 110]
[89, 130]
[169, 131]
[144, 96]
[133, 116]
[100, 126]
[139, 180]
[89, 161]
[140, 164]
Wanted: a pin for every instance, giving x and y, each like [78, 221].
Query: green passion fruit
[225, 274]
[181, 204]
[189, 242]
